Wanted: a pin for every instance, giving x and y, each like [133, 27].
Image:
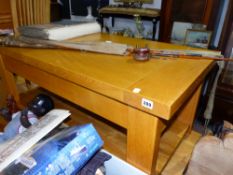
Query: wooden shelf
[114, 136]
[169, 143]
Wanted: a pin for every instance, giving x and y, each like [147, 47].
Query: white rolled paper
[60, 32]
[74, 31]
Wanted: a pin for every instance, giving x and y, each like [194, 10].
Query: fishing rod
[145, 53]
[91, 46]
[108, 47]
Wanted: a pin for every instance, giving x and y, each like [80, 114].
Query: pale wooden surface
[122, 74]
[115, 137]
[29, 12]
[187, 115]
[103, 84]
[3, 88]
[180, 158]
[5, 14]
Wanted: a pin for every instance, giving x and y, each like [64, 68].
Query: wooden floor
[115, 137]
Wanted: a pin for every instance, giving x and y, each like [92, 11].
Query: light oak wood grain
[9, 81]
[170, 160]
[5, 18]
[5, 14]
[29, 12]
[103, 84]
[3, 87]
[180, 159]
[35, 7]
[4, 7]
[123, 75]
[143, 140]
[188, 112]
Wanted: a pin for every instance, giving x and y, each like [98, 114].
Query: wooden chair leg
[28, 84]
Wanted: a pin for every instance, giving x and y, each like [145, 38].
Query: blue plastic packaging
[64, 153]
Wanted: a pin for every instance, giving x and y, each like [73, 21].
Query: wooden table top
[167, 83]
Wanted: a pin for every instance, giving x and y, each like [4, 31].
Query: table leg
[154, 28]
[101, 21]
[188, 112]
[143, 136]
[10, 81]
[113, 21]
